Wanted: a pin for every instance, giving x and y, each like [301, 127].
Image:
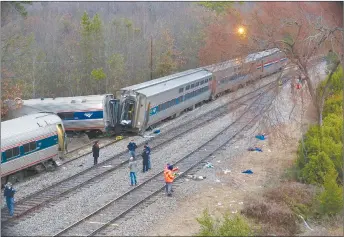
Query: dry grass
[277, 211]
[275, 218]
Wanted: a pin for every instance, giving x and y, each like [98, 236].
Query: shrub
[331, 199]
[229, 226]
[315, 170]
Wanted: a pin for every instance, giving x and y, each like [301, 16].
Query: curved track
[153, 184]
[38, 199]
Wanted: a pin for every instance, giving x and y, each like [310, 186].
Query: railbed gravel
[46, 179]
[88, 199]
[143, 217]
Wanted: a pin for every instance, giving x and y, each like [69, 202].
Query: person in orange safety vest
[173, 170]
[169, 178]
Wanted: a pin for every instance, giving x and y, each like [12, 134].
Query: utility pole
[151, 58]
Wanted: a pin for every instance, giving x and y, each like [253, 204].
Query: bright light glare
[241, 30]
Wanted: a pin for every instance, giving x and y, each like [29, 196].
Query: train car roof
[27, 124]
[166, 83]
[59, 104]
[255, 56]
[236, 62]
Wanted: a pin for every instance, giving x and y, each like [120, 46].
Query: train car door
[114, 111]
[61, 137]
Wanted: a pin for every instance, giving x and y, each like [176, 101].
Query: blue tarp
[260, 137]
[255, 149]
[247, 172]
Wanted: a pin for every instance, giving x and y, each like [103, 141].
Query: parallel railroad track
[42, 197]
[121, 206]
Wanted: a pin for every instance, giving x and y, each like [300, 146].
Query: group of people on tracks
[169, 171]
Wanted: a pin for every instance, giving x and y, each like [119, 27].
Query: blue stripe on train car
[40, 145]
[86, 115]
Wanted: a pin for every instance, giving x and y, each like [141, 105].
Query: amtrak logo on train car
[88, 115]
[153, 111]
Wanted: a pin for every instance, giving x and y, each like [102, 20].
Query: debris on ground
[226, 171]
[234, 212]
[247, 172]
[148, 136]
[217, 181]
[219, 203]
[240, 203]
[119, 138]
[107, 166]
[157, 131]
[195, 177]
[306, 224]
[255, 149]
[218, 161]
[261, 136]
[208, 165]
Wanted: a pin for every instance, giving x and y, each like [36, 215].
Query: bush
[316, 169]
[230, 226]
[331, 199]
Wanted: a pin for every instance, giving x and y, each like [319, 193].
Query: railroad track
[152, 185]
[42, 197]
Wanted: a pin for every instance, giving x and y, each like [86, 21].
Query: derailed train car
[236, 73]
[29, 141]
[93, 114]
[150, 102]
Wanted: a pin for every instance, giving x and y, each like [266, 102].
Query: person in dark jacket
[95, 150]
[148, 151]
[145, 157]
[9, 195]
[132, 147]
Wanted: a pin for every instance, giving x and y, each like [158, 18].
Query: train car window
[10, 153]
[206, 80]
[210, 79]
[187, 87]
[180, 99]
[181, 90]
[197, 84]
[30, 147]
[192, 86]
[66, 115]
[160, 107]
[202, 82]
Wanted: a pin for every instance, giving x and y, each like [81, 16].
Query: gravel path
[88, 199]
[46, 179]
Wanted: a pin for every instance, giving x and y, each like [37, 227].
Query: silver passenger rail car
[150, 102]
[236, 73]
[93, 114]
[29, 141]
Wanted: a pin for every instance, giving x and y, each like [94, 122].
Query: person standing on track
[169, 178]
[132, 147]
[145, 157]
[148, 151]
[95, 151]
[9, 195]
[133, 170]
[173, 170]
